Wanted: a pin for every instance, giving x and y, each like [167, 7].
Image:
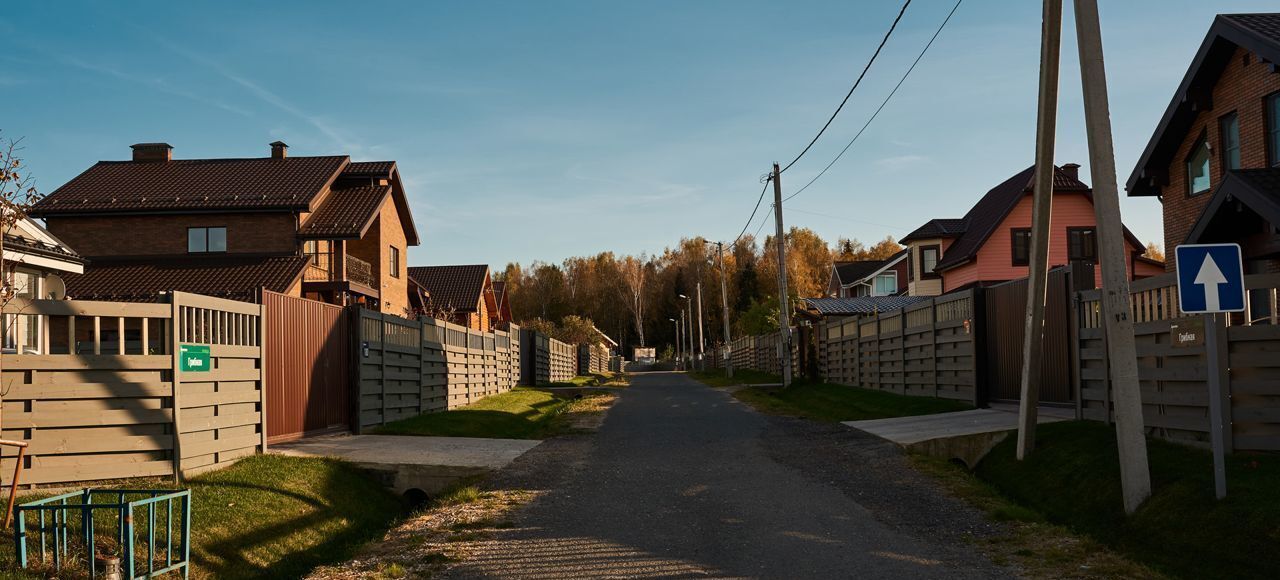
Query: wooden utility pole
[784, 317]
[1041, 211]
[724, 302]
[1122, 355]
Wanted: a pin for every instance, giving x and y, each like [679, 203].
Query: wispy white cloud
[156, 83]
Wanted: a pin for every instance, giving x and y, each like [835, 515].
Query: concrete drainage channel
[417, 468]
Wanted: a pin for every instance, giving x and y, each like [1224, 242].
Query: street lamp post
[688, 328]
[676, 323]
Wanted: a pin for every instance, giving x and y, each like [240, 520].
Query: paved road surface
[684, 481]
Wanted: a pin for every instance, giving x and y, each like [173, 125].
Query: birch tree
[634, 271]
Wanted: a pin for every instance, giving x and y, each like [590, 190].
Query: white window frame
[890, 274]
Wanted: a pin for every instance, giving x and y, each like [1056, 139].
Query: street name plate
[1186, 332]
[193, 358]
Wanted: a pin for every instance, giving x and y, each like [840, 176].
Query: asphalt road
[685, 481]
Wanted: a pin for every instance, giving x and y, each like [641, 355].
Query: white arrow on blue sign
[1210, 278]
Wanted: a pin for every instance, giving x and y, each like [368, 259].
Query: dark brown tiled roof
[346, 213]
[1257, 189]
[369, 168]
[233, 277]
[937, 228]
[456, 287]
[850, 272]
[185, 184]
[985, 216]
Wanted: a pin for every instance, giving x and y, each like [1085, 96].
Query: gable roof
[345, 213]
[456, 287]
[1257, 33]
[234, 277]
[387, 170]
[937, 228]
[1257, 188]
[985, 216]
[193, 184]
[850, 273]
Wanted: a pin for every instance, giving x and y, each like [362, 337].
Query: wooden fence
[1174, 379]
[759, 353]
[101, 394]
[592, 358]
[408, 367]
[546, 360]
[925, 349]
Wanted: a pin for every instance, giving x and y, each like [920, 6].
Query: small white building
[34, 261]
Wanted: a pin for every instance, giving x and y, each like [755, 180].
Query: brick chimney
[1072, 170]
[279, 150]
[152, 152]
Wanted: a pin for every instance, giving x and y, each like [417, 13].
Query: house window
[1273, 129]
[1021, 246]
[1198, 168]
[320, 252]
[1082, 244]
[206, 240]
[928, 261]
[22, 331]
[1229, 135]
[886, 284]
[394, 265]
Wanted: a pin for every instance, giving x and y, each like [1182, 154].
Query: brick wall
[375, 248]
[155, 235]
[1241, 89]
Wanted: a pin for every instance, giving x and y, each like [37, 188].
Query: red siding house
[991, 243]
[1214, 159]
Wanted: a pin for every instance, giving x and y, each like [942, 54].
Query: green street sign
[193, 358]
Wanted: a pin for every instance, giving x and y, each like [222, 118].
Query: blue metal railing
[54, 517]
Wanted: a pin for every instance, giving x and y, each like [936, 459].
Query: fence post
[978, 345]
[262, 372]
[1073, 328]
[175, 340]
[355, 369]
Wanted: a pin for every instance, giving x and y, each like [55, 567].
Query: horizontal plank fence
[545, 360]
[761, 353]
[102, 394]
[407, 367]
[592, 358]
[1174, 379]
[926, 349]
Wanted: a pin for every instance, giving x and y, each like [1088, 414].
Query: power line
[854, 87]
[753, 211]
[762, 223]
[882, 104]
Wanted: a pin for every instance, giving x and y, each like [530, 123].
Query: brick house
[324, 228]
[991, 243]
[856, 278]
[465, 293]
[1214, 159]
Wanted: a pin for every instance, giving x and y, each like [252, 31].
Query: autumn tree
[17, 195]
[634, 272]
[1154, 252]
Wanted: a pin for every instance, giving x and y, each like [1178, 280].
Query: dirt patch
[427, 542]
[588, 413]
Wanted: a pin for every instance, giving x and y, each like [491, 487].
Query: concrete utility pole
[688, 327]
[680, 338]
[676, 323]
[784, 317]
[1122, 355]
[702, 345]
[1041, 209]
[724, 302]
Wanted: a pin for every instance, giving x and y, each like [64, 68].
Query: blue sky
[541, 130]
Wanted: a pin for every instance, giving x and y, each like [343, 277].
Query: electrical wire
[753, 211]
[854, 87]
[882, 104]
[762, 222]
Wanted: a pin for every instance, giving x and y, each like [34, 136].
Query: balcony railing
[323, 269]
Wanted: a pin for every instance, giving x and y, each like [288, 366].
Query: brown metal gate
[308, 347]
[1005, 313]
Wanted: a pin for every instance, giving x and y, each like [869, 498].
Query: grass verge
[522, 413]
[604, 379]
[1073, 479]
[271, 516]
[834, 403]
[716, 378]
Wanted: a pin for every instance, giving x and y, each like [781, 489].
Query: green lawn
[716, 377]
[521, 413]
[270, 516]
[605, 379]
[1073, 479]
[834, 403]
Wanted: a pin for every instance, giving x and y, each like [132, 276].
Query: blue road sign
[1210, 278]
